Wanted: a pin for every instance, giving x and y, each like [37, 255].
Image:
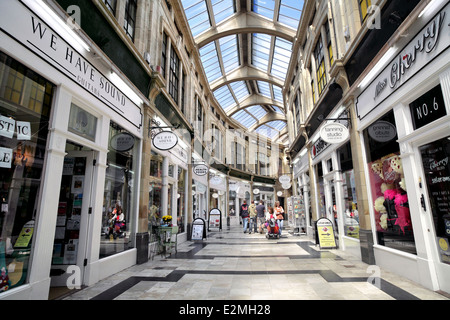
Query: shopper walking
[260, 215]
[279, 214]
[252, 214]
[244, 215]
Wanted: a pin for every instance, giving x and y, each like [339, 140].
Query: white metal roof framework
[245, 52]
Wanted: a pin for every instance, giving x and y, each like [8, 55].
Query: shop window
[320, 190]
[436, 166]
[119, 191]
[156, 165]
[154, 206]
[25, 103]
[181, 197]
[351, 215]
[130, 18]
[387, 185]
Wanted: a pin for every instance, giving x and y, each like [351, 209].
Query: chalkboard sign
[428, 108]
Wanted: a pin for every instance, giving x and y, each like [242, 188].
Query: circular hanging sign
[255, 191]
[165, 140]
[122, 142]
[284, 179]
[382, 131]
[279, 193]
[201, 170]
[334, 133]
[286, 185]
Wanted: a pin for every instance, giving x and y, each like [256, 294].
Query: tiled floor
[231, 265]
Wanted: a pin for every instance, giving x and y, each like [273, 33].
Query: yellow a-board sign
[325, 233]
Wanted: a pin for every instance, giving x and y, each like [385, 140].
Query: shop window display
[181, 196]
[119, 192]
[351, 215]
[321, 190]
[387, 184]
[25, 101]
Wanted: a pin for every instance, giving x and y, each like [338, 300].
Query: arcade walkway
[237, 266]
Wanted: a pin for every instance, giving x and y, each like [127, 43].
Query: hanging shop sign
[426, 46]
[286, 186]
[256, 191]
[165, 140]
[284, 179]
[32, 32]
[428, 108]
[334, 133]
[325, 234]
[382, 131]
[122, 142]
[201, 170]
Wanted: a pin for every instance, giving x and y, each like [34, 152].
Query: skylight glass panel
[265, 8]
[222, 9]
[261, 50]
[290, 12]
[244, 118]
[240, 90]
[277, 93]
[257, 111]
[264, 89]
[278, 110]
[197, 16]
[267, 131]
[224, 97]
[210, 60]
[229, 49]
[281, 57]
[278, 125]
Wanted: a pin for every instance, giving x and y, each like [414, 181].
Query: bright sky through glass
[270, 54]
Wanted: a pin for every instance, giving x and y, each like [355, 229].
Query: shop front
[336, 190]
[217, 199]
[404, 122]
[169, 181]
[69, 158]
[199, 188]
[301, 183]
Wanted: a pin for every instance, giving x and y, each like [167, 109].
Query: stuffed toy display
[402, 208]
[393, 204]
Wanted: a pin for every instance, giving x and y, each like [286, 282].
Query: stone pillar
[142, 235]
[365, 226]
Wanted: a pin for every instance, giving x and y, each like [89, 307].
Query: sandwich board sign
[325, 234]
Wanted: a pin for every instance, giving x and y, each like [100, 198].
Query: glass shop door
[70, 249]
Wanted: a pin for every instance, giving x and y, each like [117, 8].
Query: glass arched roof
[261, 51]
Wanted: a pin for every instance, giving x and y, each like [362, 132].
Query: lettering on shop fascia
[428, 44]
[21, 24]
